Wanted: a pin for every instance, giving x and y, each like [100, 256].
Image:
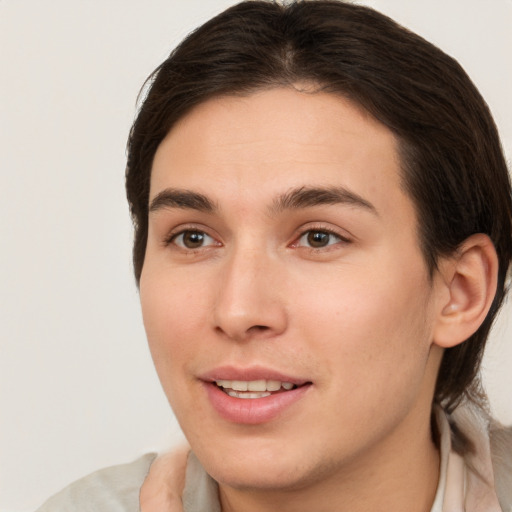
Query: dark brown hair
[452, 163]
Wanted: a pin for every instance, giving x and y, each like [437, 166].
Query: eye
[317, 239]
[192, 239]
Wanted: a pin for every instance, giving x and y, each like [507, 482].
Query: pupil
[193, 239]
[318, 239]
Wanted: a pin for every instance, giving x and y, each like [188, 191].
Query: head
[451, 163]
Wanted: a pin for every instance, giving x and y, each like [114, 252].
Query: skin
[356, 317]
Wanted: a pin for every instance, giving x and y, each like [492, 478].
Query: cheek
[371, 327]
[173, 315]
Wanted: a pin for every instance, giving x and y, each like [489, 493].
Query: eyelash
[324, 231]
[171, 239]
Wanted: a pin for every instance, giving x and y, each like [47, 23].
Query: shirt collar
[466, 483]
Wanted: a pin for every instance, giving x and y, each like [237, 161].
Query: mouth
[252, 389]
[254, 396]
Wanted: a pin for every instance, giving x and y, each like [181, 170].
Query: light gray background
[77, 387]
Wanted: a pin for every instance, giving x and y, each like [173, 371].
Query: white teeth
[238, 394]
[257, 385]
[239, 385]
[273, 385]
[251, 386]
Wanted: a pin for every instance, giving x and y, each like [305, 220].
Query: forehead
[251, 148]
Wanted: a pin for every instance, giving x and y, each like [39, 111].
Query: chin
[273, 478]
[269, 465]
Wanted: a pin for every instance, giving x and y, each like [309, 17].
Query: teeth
[238, 394]
[239, 385]
[258, 386]
[273, 385]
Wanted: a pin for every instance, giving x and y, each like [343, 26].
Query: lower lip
[252, 411]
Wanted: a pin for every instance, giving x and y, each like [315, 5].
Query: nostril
[260, 328]
[240, 333]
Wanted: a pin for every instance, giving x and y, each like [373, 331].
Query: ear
[468, 285]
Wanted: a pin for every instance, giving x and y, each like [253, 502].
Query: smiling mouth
[251, 399]
[254, 388]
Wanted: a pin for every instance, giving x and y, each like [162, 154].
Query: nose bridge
[249, 302]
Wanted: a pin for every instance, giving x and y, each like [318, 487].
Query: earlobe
[470, 278]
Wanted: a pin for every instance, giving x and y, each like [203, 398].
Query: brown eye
[192, 239]
[318, 239]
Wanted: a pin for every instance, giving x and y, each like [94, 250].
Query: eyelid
[183, 246]
[342, 235]
[171, 236]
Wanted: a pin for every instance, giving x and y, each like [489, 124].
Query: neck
[400, 474]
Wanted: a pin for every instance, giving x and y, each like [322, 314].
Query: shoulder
[501, 449]
[112, 489]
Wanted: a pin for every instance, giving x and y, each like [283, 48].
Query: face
[285, 297]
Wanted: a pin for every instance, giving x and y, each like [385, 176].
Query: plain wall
[77, 386]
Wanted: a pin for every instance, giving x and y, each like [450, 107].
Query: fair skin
[281, 246]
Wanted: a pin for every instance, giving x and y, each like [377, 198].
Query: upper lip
[249, 374]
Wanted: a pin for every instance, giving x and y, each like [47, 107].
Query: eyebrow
[295, 199]
[182, 199]
[307, 197]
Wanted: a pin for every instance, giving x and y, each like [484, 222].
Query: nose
[250, 302]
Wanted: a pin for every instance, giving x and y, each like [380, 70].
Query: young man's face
[282, 251]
